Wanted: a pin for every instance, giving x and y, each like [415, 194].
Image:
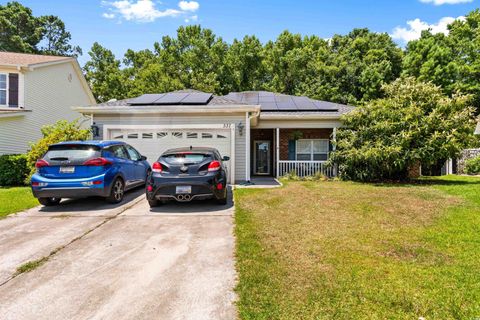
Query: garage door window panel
[147, 135]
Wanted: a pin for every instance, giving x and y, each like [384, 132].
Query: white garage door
[153, 142]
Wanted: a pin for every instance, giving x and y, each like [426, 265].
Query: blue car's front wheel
[117, 192]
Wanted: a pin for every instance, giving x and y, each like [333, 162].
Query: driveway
[174, 262]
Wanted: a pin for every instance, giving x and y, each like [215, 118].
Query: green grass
[30, 265]
[342, 250]
[16, 199]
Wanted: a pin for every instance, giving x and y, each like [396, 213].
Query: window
[312, 150]
[177, 135]
[132, 136]
[161, 135]
[192, 135]
[116, 151]
[147, 135]
[3, 89]
[219, 136]
[134, 155]
[206, 135]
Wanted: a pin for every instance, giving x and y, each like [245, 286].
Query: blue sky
[137, 24]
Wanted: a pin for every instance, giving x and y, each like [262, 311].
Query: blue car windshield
[72, 152]
[182, 158]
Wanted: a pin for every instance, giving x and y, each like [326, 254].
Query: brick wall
[286, 135]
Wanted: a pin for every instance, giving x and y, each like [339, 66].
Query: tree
[451, 61]
[103, 73]
[60, 131]
[21, 31]
[55, 39]
[244, 63]
[414, 123]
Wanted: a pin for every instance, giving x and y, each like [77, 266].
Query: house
[263, 133]
[37, 90]
[477, 130]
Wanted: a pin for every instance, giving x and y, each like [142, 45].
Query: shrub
[58, 132]
[414, 123]
[13, 169]
[472, 166]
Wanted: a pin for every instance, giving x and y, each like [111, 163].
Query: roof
[278, 102]
[213, 100]
[98, 143]
[25, 59]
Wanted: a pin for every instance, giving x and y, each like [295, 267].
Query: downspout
[248, 117]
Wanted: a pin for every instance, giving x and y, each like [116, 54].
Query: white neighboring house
[477, 131]
[37, 90]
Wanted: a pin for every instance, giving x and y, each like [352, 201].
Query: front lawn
[16, 199]
[342, 250]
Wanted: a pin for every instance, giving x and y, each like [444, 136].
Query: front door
[261, 158]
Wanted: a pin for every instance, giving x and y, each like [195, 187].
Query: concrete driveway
[174, 262]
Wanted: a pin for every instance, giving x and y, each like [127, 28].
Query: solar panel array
[172, 98]
[270, 101]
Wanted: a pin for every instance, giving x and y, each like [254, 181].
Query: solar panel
[304, 103]
[147, 98]
[171, 98]
[270, 106]
[197, 98]
[325, 106]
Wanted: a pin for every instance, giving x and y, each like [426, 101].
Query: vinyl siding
[101, 120]
[49, 95]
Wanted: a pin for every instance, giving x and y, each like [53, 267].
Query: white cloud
[145, 10]
[108, 15]
[191, 19]
[189, 5]
[440, 2]
[415, 28]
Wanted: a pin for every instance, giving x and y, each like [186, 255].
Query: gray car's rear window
[182, 158]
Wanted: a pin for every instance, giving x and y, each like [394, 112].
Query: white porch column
[247, 146]
[277, 151]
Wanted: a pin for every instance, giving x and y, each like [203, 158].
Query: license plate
[67, 169]
[184, 189]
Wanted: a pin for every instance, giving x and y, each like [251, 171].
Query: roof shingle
[25, 59]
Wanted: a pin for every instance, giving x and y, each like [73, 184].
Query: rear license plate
[184, 189]
[67, 169]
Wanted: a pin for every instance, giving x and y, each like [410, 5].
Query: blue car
[77, 169]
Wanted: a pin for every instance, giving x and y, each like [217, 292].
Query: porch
[277, 152]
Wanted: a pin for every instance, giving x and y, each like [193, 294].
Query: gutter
[179, 109]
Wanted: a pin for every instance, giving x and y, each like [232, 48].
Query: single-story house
[263, 133]
[37, 90]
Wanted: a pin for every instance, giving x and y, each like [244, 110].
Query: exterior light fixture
[95, 130]
[240, 128]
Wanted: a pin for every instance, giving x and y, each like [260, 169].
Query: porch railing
[305, 168]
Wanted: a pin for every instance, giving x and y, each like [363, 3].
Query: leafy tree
[244, 63]
[414, 123]
[58, 132]
[56, 39]
[20, 31]
[104, 75]
[452, 61]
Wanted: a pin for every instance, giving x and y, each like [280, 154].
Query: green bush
[55, 133]
[13, 169]
[415, 122]
[472, 166]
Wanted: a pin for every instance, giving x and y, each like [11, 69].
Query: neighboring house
[36, 90]
[264, 133]
[477, 130]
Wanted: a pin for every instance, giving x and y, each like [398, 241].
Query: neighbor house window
[3, 89]
[312, 150]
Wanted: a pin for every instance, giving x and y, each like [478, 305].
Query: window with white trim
[312, 149]
[3, 89]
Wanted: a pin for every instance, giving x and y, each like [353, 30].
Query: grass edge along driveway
[15, 199]
[323, 250]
